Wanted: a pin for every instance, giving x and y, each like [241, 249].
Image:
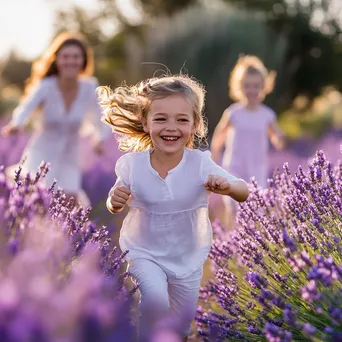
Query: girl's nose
[171, 126]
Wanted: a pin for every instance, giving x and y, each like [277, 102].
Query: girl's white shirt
[168, 221]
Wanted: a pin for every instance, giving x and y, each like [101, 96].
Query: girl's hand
[10, 129]
[218, 184]
[119, 198]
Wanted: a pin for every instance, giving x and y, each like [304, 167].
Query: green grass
[296, 125]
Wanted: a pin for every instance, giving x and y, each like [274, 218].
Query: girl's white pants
[162, 295]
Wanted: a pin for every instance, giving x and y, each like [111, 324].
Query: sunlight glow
[26, 26]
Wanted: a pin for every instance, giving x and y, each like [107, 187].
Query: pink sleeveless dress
[247, 145]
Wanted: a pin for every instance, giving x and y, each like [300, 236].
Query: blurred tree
[324, 14]
[109, 32]
[157, 8]
[79, 20]
[181, 43]
[117, 42]
[313, 28]
[15, 70]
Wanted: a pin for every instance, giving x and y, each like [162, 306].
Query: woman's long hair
[46, 65]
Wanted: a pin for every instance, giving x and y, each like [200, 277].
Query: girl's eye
[159, 119]
[183, 120]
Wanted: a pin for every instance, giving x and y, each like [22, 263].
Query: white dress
[57, 139]
[168, 219]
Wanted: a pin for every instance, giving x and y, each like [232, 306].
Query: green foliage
[295, 125]
[314, 30]
[158, 8]
[207, 44]
[16, 70]
[109, 34]
[281, 11]
[78, 20]
[117, 61]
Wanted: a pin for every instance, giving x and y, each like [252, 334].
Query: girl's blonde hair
[126, 108]
[46, 65]
[247, 65]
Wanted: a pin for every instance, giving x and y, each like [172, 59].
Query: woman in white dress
[62, 92]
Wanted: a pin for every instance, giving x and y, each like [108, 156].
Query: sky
[27, 25]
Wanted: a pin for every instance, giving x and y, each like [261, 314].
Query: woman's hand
[10, 129]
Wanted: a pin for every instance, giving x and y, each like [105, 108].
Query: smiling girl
[167, 181]
[62, 90]
[246, 125]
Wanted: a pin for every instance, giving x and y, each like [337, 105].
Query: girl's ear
[145, 126]
[195, 127]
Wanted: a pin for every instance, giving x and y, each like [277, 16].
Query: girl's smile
[170, 123]
[70, 61]
[170, 140]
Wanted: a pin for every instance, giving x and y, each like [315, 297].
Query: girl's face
[70, 61]
[170, 123]
[252, 88]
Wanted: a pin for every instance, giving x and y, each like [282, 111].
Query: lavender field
[274, 272]
[299, 152]
[98, 171]
[277, 277]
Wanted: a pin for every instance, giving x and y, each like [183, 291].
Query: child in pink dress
[246, 125]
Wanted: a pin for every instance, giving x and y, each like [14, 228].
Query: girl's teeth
[170, 138]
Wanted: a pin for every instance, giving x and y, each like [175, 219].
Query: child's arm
[120, 193]
[236, 189]
[219, 135]
[276, 135]
[217, 179]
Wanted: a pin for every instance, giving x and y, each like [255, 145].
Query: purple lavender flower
[309, 329]
[285, 256]
[60, 277]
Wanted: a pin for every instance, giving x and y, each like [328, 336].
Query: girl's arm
[276, 135]
[117, 199]
[220, 135]
[218, 180]
[236, 189]
[120, 193]
[25, 109]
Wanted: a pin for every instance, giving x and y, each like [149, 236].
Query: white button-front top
[168, 219]
[57, 138]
